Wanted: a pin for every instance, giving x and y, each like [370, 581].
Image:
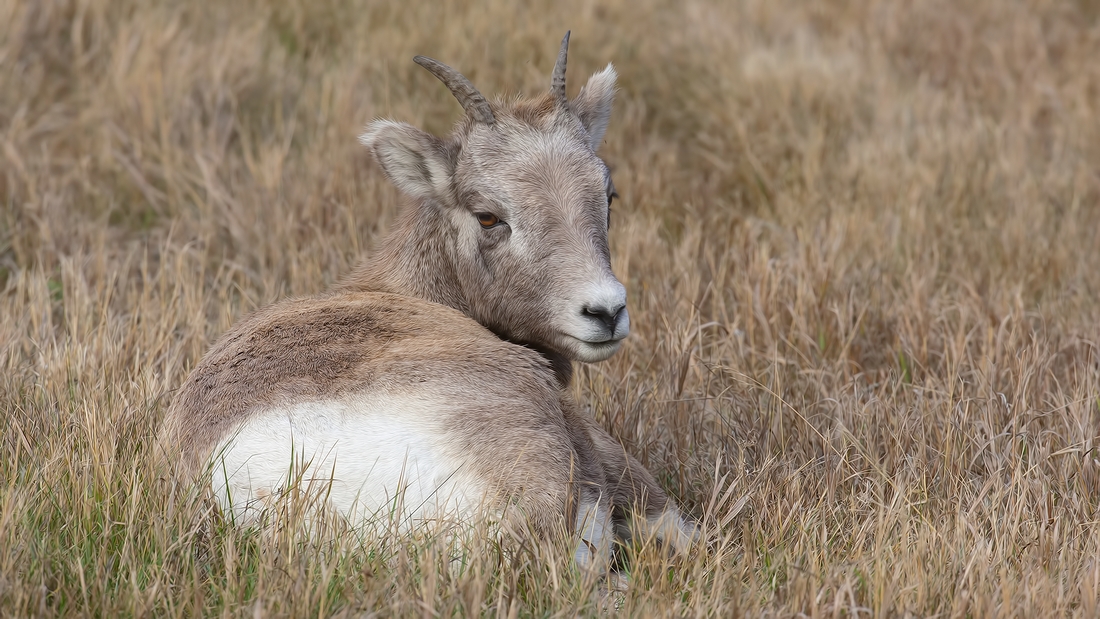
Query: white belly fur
[376, 459]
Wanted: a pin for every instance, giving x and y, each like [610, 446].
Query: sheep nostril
[608, 316]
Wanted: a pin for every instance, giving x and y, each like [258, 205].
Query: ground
[861, 242]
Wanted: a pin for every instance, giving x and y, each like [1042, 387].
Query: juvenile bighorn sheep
[430, 384]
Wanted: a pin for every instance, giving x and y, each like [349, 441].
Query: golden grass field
[861, 242]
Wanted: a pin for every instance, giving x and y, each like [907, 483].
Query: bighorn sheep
[431, 383]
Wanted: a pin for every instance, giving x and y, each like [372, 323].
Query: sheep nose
[609, 316]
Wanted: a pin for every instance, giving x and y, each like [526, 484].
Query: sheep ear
[593, 105]
[416, 162]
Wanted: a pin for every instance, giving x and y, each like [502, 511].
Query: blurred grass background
[861, 241]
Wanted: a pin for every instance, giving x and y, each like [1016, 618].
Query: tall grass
[861, 241]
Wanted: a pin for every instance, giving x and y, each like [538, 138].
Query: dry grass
[861, 240]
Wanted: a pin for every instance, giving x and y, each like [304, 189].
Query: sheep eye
[487, 220]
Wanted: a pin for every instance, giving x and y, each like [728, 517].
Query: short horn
[557, 80]
[471, 100]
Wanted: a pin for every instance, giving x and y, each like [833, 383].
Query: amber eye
[487, 220]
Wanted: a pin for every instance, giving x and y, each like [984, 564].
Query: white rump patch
[376, 459]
